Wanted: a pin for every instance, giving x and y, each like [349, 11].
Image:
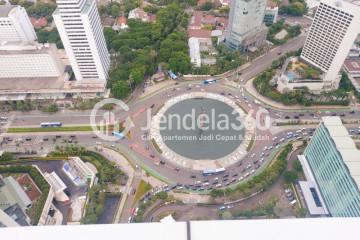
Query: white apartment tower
[246, 27]
[81, 33]
[15, 25]
[332, 33]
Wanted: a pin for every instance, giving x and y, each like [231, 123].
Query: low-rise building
[352, 68]
[120, 24]
[158, 77]
[194, 51]
[38, 23]
[334, 161]
[140, 14]
[33, 60]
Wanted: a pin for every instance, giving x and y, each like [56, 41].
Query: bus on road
[210, 172]
[50, 124]
[118, 135]
[209, 81]
[172, 75]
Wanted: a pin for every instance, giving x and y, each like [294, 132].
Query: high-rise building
[80, 29]
[331, 35]
[334, 162]
[15, 25]
[246, 29]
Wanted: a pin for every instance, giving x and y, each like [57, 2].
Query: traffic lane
[262, 63]
[129, 203]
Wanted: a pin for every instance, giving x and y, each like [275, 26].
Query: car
[287, 117]
[352, 112]
[226, 175]
[282, 139]
[222, 208]
[253, 155]
[28, 139]
[152, 155]
[177, 169]
[218, 185]
[162, 162]
[45, 139]
[296, 117]
[193, 176]
[287, 190]
[248, 166]
[152, 105]
[293, 202]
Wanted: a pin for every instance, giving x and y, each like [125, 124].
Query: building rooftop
[5, 9]
[12, 193]
[345, 145]
[352, 64]
[199, 33]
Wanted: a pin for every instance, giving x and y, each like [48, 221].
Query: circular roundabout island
[201, 131]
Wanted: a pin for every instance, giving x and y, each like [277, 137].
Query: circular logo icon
[109, 128]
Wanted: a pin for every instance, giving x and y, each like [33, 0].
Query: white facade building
[29, 61]
[245, 27]
[332, 33]
[80, 29]
[194, 50]
[15, 25]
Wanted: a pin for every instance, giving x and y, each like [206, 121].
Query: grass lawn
[50, 129]
[141, 190]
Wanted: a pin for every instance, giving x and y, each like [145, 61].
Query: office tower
[15, 25]
[80, 29]
[332, 33]
[334, 162]
[246, 30]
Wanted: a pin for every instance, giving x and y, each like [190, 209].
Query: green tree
[297, 166]
[290, 176]
[120, 89]
[207, 6]
[7, 156]
[115, 10]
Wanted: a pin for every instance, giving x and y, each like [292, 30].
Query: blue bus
[172, 75]
[209, 81]
[210, 172]
[51, 124]
[118, 135]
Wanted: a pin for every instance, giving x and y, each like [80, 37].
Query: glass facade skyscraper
[335, 163]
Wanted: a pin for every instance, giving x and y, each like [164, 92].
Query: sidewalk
[250, 89]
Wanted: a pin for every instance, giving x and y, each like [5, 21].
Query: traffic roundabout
[202, 130]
